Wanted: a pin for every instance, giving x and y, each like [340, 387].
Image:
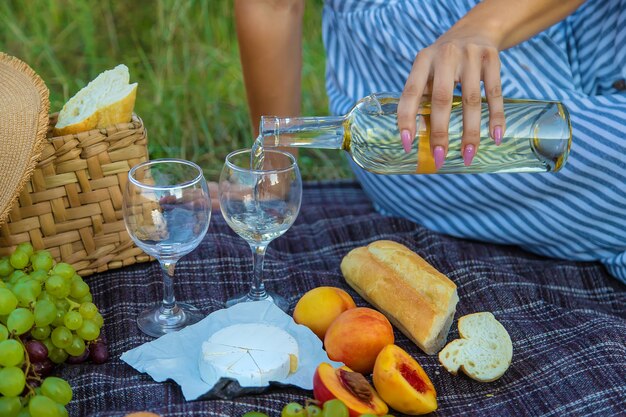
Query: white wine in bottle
[537, 138]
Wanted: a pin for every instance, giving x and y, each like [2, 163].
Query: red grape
[75, 360]
[37, 351]
[43, 368]
[98, 352]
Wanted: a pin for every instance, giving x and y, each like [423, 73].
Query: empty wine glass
[167, 209]
[260, 205]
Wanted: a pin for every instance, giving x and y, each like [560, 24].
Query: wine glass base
[157, 321]
[281, 302]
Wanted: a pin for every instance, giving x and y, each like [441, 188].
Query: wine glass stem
[169, 300]
[257, 290]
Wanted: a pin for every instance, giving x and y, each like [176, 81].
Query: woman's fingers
[411, 97]
[493, 91]
[438, 68]
[444, 80]
[472, 102]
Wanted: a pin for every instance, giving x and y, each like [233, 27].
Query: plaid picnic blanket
[567, 320]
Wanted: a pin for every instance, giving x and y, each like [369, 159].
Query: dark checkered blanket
[567, 320]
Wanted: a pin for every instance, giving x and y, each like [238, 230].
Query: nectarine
[357, 336]
[350, 387]
[319, 307]
[402, 382]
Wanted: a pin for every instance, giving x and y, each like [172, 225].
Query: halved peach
[402, 382]
[350, 387]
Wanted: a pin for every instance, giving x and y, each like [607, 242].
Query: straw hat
[24, 109]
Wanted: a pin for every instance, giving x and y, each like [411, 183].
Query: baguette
[107, 100]
[419, 300]
[483, 352]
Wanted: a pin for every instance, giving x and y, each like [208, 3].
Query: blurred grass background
[185, 57]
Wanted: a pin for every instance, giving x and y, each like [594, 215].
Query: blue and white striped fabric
[578, 213]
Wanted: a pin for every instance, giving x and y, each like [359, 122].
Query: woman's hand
[468, 53]
[458, 56]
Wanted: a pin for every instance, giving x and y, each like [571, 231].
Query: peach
[319, 307]
[402, 382]
[357, 336]
[348, 386]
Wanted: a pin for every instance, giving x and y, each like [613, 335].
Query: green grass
[185, 57]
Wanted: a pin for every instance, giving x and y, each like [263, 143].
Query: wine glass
[260, 205]
[167, 209]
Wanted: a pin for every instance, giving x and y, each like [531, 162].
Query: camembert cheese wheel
[253, 353]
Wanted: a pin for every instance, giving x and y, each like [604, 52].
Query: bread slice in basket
[107, 100]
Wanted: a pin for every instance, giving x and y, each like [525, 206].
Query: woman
[540, 49]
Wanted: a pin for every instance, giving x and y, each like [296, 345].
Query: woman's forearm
[270, 37]
[510, 22]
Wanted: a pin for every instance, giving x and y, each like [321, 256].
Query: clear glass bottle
[537, 137]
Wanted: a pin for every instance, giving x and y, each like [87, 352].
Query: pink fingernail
[406, 140]
[497, 134]
[468, 154]
[439, 155]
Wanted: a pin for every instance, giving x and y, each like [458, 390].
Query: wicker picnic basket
[72, 205]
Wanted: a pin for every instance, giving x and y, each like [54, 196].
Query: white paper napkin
[175, 356]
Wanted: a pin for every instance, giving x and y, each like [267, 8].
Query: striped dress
[578, 213]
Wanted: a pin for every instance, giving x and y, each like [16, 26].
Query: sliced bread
[107, 100]
[484, 351]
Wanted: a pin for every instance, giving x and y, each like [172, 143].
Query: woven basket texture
[72, 205]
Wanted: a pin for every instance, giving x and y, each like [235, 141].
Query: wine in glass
[260, 205]
[167, 209]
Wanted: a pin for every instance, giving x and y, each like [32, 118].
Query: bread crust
[120, 111]
[419, 300]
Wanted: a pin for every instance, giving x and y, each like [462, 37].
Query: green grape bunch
[311, 408]
[47, 317]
